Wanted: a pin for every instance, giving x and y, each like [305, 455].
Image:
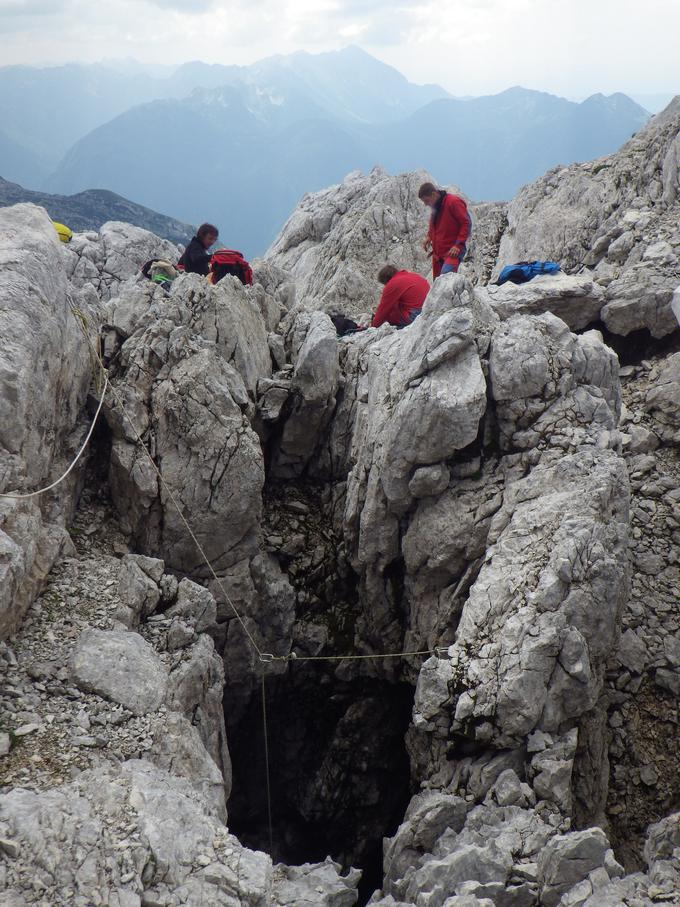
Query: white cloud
[469, 46]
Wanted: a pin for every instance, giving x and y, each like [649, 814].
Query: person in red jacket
[449, 228]
[402, 298]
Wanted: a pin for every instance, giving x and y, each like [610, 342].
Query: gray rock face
[568, 859]
[112, 256]
[337, 240]
[616, 215]
[487, 853]
[662, 396]
[579, 501]
[468, 471]
[577, 299]
[313, 387]
[122, 667]
[194, 416]
[421, 395]
[552, 387]
[45, 372]
[168, 848]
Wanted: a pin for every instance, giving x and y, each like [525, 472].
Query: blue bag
[522, 271]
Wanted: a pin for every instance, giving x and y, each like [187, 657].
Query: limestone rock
[119, 666]
[314, 885]
[425, 394]
[476, 854]
[576, 299]
[616, 215]
[547, 383]
[195, 688]
[138, 591]
[641, 298]
[45, 371]
[195, 605]
[168, 848]
[662, 396]
[203, 441]
[568, 859]
[313, 388]
[112, 256]
[554, 626]
[178, 748]
[337, 240]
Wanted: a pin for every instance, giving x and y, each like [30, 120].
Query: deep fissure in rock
[339, 771]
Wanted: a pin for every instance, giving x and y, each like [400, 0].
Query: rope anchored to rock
[18, 495]
[264, 657]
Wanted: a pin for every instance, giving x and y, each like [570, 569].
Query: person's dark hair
[386, 273]
[427, 189]
[207, 229]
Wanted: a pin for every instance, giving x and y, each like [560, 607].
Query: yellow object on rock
[63, 232]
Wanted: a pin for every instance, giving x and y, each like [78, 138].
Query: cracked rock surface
[457, 545]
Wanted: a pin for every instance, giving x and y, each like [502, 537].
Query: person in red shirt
[449, 228]
[402, 298]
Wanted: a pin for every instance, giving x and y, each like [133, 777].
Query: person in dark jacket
[402, 298]
[448, 231]
[196, 258]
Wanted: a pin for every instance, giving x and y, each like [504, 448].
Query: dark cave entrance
[339, 771]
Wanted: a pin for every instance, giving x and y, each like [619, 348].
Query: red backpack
[228, 261]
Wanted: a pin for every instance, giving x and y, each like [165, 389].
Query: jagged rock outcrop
[576, 299]
[45, 372]
[135, 835]
[421, 395]
[188, 368]
[337, 240]
[112, 256]
[618, 216]
[310, 394]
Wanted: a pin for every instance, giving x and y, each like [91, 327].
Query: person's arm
[460, 222]
[387, 306]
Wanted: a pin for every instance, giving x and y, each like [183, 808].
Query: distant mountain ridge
[46, 110]
[239, 145]
[89, 210]
[241, 158]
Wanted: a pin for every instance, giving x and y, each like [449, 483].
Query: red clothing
[403, 294]
[449, 226]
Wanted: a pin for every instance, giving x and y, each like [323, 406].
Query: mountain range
[90, 209]
[239, 145]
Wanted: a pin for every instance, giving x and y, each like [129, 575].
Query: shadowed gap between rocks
[339, 771]
[638, 345]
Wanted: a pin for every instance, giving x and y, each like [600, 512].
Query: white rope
[33, 494]
[264, 657]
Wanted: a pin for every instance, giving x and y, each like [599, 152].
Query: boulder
[168, 848]
[113, 256]
[337, 240]
[313, 387]
[121, 667]
[576, 299]
[568, 859]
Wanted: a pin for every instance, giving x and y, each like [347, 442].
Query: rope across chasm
[264, 657]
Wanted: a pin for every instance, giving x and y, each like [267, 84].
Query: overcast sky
[569, 47]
